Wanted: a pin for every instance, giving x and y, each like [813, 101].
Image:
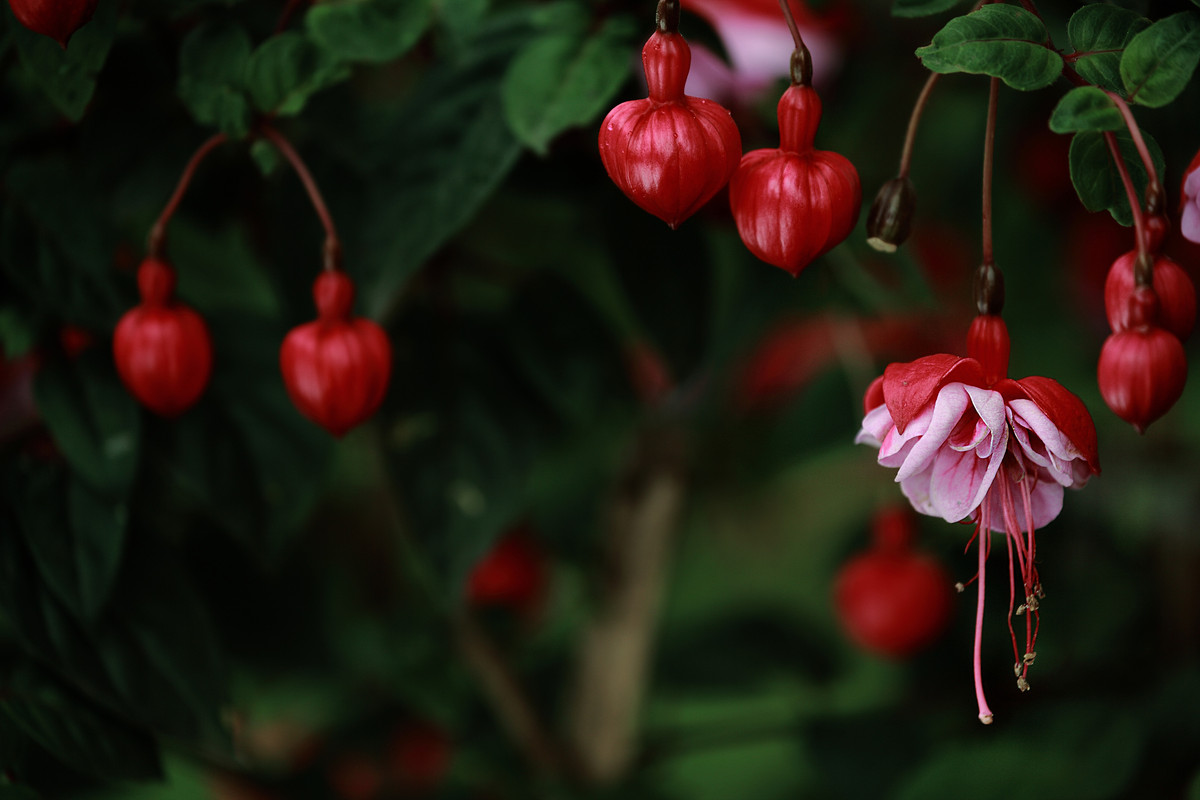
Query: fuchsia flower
[970, 443]
[1189, 219]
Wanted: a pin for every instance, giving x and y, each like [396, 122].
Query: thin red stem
[156, 240]
[288, 12]
[989, 147]
[1153, 184]
[801, 64]
[910, 135]
[1139, 222]
[333, 245]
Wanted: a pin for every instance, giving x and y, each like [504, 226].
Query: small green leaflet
[1086, 108]
[921, 8]
[1159, 61]
[369, 30]
[68, 77]
[1099, 34]
[1003, 41]
[287, 69]
[564, 78]
[1096, 179]
[212, 65]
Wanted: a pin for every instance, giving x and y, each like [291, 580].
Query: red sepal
[874, 397]
[909, 388]
[1062, 407]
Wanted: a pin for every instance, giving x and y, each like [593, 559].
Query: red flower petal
[1064, 409]
[909, 387]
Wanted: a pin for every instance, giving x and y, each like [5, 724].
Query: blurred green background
[233, 604]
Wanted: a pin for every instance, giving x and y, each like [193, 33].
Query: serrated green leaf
[93, 420]
[212, 68]
[1086, 108]
[921, 8]
[1003, 41]
[1159, 61]
[369, 30]
[286, 70]
[562, 79]
[1096, 179]
[68, 77]
[77, 733]
[1099, 33]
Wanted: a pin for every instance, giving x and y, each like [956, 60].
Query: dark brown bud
[890, 219]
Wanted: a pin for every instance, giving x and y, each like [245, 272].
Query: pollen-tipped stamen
[983, 534]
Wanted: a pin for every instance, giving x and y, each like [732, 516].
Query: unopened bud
[890, 219]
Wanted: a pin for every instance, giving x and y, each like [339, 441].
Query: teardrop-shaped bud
[336, 369]
[988, 343]
[1176, 295]
[795, 203]
[58, 19]
[669, 153]
[893, 602]
[1141, 374]
[889, 221]
[162, 348]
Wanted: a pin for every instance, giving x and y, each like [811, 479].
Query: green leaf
[153, 658]
[76, 545]
[286, 70]
[77, 733]
[212, 69]
[1099, 33]
[1159, 61]
[1086, 108]
[921, 8]
[445, 150]
[1003, 41]
[94, 421]
[68, 77]
[369, 30]
[1096, 178]
[564, 78]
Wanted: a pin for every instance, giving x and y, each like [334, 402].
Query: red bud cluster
[336, 368]
[1143, 367]
[794, 203]
[162, 348]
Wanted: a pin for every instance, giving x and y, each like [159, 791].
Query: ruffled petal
[875, 426]
[951, 402]
[959, 481]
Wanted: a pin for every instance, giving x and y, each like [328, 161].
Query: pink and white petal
[710, 77]
[896, 445]
[1189, 220]
[875, 426]
[1059, 448]
[1045, 504]
[916, 489]
[960, 481]
[989, 406]
[948, 409]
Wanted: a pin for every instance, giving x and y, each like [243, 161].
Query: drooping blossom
[1189, 219]
[969, 443]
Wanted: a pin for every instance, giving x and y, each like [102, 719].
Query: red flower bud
[336, 368]
[891, 600]
[1142, 373]
[162, 348]
[513, 574]
[669, 153]
[987, 343]
[57, 19]
[1176, 295]
[794, 203]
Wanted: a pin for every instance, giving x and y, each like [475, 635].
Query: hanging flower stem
[156, 240]
[914, 120]
[333, 245]
[1144, 266]
[801, 66]
[1154, 189]
[989, 148]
